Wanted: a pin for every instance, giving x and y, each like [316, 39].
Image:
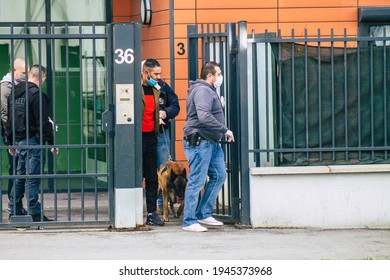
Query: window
[373, 21]
[380, 31]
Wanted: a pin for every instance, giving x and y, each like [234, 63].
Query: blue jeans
[204, 160]
[163, 147]
[163, 151]
[27, 159]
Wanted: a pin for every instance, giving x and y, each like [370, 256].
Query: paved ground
[171, 242]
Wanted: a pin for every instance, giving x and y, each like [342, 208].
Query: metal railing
[74, 187]
[318, 100]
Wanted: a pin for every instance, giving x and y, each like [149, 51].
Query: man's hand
[162, 114]
[54, 151]
[229, 135]
[13, 152]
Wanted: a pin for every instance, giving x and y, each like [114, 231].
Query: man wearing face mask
[205, 126]
[11, 79]
[151, 73]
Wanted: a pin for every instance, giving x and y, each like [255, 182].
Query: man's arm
[47, 130]
[172, 107]
[5, 92]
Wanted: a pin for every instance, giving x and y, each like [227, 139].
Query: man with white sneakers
[203, 131]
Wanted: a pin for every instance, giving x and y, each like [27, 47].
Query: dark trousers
[149, 168]
[11, 160]
[11, 171]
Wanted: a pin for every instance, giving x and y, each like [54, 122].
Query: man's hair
[150, 63]
[36, 69]
[208, 68]
[19, 62]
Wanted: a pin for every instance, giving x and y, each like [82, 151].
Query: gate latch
[107, 122]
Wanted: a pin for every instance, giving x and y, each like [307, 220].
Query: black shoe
[154, 220]
[22, 213]
[37, 218]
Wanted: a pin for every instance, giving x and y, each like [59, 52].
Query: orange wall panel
[318, 14]
[181, 31]
[181, 86]
[156, 48]
[160, 5]
[221, 16]
[155, 31]
[234, 4]
[180, 151]
[160, 17]
[374, 3]
[122, 19]
[181, 66]
[184, 4]
[184, 16]
[179, 129]
[121, 8]
[135, 8]
[318, 3]
[182, 113]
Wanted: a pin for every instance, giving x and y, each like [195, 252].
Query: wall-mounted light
[146, 11]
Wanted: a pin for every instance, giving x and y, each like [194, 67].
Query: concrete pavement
[171, 242]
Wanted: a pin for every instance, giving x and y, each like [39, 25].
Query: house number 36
[126, 56]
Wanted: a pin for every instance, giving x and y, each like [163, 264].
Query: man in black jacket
[37, 131]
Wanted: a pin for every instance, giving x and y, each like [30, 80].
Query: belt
[193, 139]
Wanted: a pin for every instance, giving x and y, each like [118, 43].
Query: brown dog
[172, 182]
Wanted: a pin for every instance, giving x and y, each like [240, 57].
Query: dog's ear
[184, 173]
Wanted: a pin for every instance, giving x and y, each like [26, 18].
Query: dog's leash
[166, 143]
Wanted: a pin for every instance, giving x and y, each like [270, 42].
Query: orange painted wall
[261, 15]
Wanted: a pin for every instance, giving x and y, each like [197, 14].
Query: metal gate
[76, 186]
[221, 43]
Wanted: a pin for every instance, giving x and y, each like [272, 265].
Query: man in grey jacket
[205, 126]
[14, 77]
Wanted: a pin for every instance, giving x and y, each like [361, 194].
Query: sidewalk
[171, 242]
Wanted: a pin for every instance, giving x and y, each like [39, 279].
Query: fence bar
[243, 139]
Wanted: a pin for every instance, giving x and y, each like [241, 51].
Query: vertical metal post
[242, 65]
[233, 116]
[192, 52]
[127, 97]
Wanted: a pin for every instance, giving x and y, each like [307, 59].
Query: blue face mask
[151, 82]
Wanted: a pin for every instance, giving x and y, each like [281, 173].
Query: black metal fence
[297, 100]
[75, 184]
[220, 43]
[318, 100]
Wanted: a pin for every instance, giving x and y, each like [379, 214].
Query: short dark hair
[208, 68]
[36, 69]
[151, 63]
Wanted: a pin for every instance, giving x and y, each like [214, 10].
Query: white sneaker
[210, 221]
[195, 227]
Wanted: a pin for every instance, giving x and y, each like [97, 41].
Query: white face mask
[219, 81]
